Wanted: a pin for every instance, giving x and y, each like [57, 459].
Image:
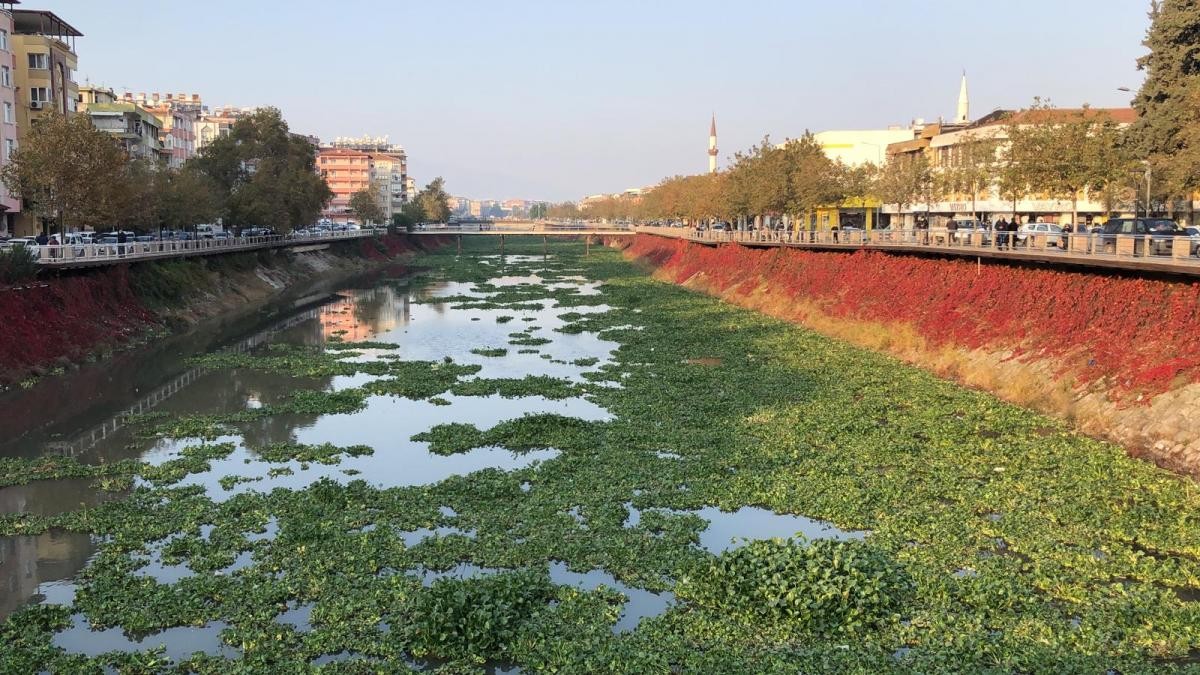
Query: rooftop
[41, 22]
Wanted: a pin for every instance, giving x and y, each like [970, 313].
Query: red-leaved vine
[1143, 336]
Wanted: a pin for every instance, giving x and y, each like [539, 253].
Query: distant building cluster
[462, 207]
[38, 63]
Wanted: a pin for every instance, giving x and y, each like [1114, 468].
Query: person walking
[1001, 233]
[951, 231]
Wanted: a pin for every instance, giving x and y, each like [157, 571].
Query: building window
[5, 76]
[10, 146]
[8, 112]
[4, 40]
[39, 61]
[39, 94]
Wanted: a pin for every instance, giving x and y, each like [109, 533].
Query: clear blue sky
[554, 99]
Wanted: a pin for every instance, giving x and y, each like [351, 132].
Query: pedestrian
[42, 239]
[1001, 233]
[1013, 227]
[951, 231]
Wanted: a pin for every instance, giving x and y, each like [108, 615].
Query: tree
[67, 171]
[265, 175]
[905, 180]
[187, 197]
[1065, 153]
[1168, 121]
[364, 205]
[410, 214]
[813, 180]
[434, 201]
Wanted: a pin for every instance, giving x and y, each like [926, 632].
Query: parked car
[1193, 233]
[27, 243]
[1052, 233]
[257, 232]
[967, 227]
[1161, 232]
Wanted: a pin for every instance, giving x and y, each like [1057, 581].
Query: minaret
[964, 106]
[712, 145]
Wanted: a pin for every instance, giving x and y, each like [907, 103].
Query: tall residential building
[346, 171]
[387, 178]
[712, 145]
[9, 206]
[139, 132]
[392, 179]
[179, 115]
[45, 64]
[43, 74]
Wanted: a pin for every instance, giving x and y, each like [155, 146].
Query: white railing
[74, 254]
[1180, 250]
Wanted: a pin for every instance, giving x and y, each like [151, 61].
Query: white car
[28, 243]
[1053, 233]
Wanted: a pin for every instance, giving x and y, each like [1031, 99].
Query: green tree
[1066, 153]
[364, 205]
[1168, 123]
[265, 175]
[68, 172]
[434, 201]
[813, 180]
[187, 197]
[905, 180]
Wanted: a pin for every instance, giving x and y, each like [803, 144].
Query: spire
[964, 105]
[712, 145]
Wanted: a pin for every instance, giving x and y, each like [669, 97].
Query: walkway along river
[554, 463]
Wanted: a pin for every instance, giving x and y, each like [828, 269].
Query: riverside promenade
[1099, 252]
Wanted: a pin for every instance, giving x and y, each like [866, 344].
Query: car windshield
[1161, 226]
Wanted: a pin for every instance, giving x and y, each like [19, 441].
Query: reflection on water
[159, 379]
[729, 530]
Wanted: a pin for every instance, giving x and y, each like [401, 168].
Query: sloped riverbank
[553, 464]
[1117, 358]
[52, 323]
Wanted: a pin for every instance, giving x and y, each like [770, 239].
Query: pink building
[9, 205]
[346, 171]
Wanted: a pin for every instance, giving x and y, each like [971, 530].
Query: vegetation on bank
[81, 316]
[996, 540]
[1138, 337]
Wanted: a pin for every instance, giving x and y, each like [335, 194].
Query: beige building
[43, 77]
[138, 130]
[44, 54]
[940, 145]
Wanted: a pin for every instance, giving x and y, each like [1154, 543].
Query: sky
[557, 99]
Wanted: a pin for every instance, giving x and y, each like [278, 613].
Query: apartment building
[139, 131]
[42, 47]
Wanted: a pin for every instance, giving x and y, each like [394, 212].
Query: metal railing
[1180, 250]
[99, 253]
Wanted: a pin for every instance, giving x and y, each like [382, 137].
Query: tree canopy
[265, 175]
[366, 207]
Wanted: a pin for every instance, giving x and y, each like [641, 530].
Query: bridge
[73, 256]
[1137, 253]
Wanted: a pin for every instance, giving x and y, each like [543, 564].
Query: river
[554, 462]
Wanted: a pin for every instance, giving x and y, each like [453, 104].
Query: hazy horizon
[550, 100]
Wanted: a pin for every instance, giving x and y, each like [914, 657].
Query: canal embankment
[55, 322]
[1117, 357]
